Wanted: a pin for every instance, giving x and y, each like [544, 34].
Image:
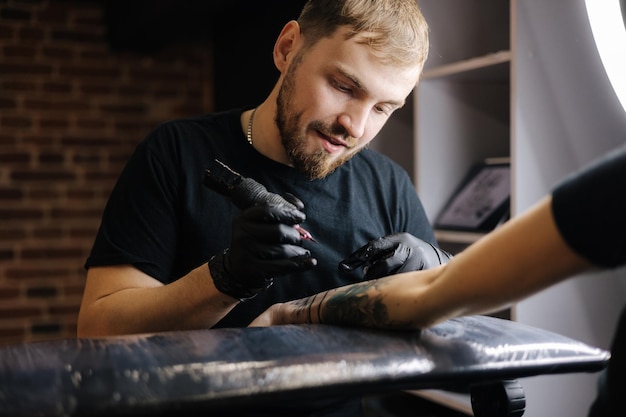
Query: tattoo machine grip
[244, 192]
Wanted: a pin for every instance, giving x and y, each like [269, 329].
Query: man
[173, 254]
[345, 67]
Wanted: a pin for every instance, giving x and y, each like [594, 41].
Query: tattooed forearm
[359, 305]
[302, 308]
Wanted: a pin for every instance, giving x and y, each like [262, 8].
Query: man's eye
[383, 110]
[342, 87]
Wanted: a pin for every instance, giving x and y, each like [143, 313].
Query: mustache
[334, 130]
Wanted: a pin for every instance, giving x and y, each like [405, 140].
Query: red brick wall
[71, 112]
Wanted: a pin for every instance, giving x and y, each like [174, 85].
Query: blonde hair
[395, 30]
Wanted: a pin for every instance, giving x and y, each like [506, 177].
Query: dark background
[242, 33]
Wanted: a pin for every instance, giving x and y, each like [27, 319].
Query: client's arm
[522, 257]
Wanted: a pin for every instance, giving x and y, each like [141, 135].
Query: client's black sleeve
[590, 210]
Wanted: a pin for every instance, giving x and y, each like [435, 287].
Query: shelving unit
[462, 104]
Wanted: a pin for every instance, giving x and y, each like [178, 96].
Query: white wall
[565, 115]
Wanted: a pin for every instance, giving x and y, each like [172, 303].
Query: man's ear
[286, 44]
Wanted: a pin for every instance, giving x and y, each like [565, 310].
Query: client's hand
[392, 254]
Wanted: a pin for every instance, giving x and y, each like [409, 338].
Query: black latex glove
[392, 254]
[264, 245]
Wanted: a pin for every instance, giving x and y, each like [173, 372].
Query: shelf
[490, 66]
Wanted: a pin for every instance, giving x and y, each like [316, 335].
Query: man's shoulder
[223, 120]
[200, 130]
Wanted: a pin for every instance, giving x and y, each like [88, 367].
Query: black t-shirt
[164, 221]
[589, 208]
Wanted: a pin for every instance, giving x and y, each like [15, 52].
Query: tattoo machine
[244, 192]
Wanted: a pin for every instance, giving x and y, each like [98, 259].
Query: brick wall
[71, 112]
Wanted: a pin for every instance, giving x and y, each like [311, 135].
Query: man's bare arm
[123, 300]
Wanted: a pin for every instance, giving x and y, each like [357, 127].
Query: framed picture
[482, 200]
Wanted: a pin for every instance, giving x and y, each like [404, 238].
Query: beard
[314, 164]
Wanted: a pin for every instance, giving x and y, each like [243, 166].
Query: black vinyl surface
[207, 370]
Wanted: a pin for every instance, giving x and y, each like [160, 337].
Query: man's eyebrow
[354, 80]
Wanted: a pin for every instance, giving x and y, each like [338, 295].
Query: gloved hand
[392, 254]
[264, 245]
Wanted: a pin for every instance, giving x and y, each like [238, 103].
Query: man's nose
[354, 121]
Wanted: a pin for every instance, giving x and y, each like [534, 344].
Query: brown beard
[315, 165]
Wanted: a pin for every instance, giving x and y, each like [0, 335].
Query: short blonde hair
[396, 30]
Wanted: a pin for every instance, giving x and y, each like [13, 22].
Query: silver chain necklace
[249, 132]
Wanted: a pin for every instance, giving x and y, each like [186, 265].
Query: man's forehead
[357, 63]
